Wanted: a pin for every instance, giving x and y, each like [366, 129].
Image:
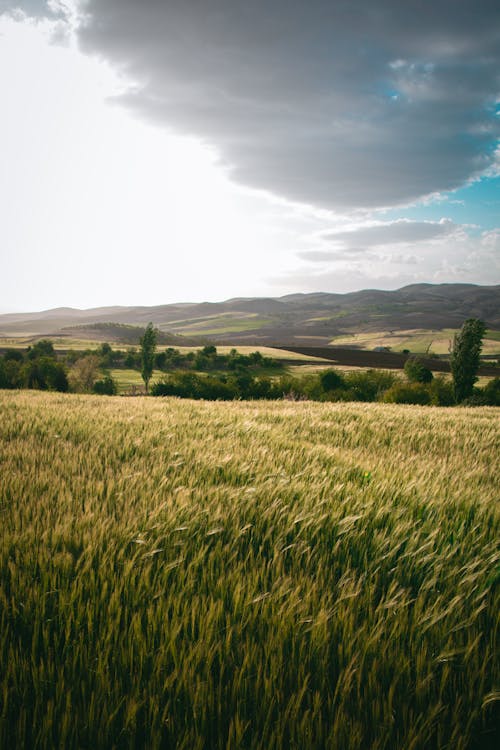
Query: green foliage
[132, 359]
[38, 369]
[239, 385]
[13, 355]
[487, 396]
[441, 392]
[416, 371]
[407, 393]
[465, 357]
[331, 380]
[107, 356]
[42, 348]
[492, 392]
[369, 385]
[84, 373]
[10, 374]
[160, 360]
[106, 387]
[148, 347]
[208, 350]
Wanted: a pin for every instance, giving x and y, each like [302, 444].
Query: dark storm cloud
[350, 103]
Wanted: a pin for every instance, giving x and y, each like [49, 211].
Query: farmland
[187, 574]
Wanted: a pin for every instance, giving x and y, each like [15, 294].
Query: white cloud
[459, 256]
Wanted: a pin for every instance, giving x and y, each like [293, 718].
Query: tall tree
[148, 347]
[465, 357]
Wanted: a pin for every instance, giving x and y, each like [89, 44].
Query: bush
[132, 359]
[487, 396]
[44, 374]
[13, 355]
[369, 385]
[441, 391]
[190, 385]
[84, 373]
[10, 374]
[106, 387]
[477, 398]
[492, 392]
[416, 371]
[407, 393]
[330, 380]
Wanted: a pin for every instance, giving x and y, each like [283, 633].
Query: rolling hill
[305, 319]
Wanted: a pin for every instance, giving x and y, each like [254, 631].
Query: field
[417, 341]
[195, 575]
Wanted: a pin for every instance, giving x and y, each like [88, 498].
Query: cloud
[392, 232]
[461, 256]
[340, 104]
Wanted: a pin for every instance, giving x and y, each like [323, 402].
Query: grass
[180, 574]
[218, 324]
[127, 378]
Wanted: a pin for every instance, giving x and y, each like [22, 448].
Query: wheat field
[205, 575]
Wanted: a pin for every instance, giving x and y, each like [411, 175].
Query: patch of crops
[179, 574]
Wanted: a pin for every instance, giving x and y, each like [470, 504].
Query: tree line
[208, 374]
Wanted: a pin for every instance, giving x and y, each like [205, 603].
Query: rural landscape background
[256, 569]
[249, 375]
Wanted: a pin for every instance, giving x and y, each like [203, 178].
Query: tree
[416, 371]
[84, 373]
[42, 348]
[148, 346]
[465, 357]
[330, 380]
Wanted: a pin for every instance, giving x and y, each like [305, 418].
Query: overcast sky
[157, 151]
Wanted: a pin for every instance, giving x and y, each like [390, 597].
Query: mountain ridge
[316, 316]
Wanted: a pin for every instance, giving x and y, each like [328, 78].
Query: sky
[159, 151]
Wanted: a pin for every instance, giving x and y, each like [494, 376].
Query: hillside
[314, 319]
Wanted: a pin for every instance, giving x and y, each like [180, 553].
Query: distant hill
[313, 319]
[123, 333]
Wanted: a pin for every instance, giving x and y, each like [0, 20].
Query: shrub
[369, 385]
[492, 392]
[330, 380]
[416, 371]
[106, 387]
[44, 374]
[441, 391]
[84, 373]
[407, 393]
[13, 355]
[10, 374]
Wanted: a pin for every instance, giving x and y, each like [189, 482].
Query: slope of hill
[305, 318]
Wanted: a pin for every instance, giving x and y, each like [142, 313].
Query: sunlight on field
[126, 378]
[258, 575]
[417, 341]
